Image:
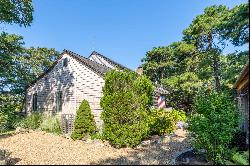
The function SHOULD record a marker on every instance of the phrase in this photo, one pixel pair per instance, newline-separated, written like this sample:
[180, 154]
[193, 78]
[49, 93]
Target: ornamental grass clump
[84, 123]
[51, 124]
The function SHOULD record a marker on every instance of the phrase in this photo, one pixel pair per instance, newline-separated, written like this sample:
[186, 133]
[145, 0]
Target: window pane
[59, 101]
[34, 102]
[65, 62]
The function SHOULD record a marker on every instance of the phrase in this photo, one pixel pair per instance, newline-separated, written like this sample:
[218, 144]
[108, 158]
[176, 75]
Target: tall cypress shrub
[125, 102]
[84, 122]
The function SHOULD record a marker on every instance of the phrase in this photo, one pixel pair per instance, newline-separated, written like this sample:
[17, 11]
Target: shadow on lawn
[154, 154]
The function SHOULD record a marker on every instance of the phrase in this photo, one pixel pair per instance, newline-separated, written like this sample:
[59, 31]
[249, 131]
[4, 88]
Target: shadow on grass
[153, 154]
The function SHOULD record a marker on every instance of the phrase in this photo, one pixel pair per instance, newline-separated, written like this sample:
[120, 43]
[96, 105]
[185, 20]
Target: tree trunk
[215, 60]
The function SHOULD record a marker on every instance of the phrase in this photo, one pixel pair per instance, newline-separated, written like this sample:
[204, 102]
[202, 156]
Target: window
[59, 101]
[65, 62]
[34, 102]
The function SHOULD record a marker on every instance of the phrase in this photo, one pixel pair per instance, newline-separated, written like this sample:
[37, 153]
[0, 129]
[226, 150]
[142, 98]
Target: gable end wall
[76, 81]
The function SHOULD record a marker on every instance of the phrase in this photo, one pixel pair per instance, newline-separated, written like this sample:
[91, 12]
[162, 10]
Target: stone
[145, 143]
[181, 133]
[20, 130]
[106, 143]
[3, 162]
[165, 140]
[67, 136]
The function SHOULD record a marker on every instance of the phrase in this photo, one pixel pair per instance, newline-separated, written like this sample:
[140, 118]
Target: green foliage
[125, 102]
[214, 124]
[235, 25]
[51, 124]
[178, 115]
[160, 122]
[19, 66]
[232, 65]
[163, 122]
[84, 122]
[183, 88]
[16, 11]
[163, 62]
[241, 159]
[97, 136]
[178, 68]
[238, 158]
[203, 32]
[32, 121]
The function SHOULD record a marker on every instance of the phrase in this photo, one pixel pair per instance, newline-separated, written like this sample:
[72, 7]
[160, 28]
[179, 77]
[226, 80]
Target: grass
[7, 133]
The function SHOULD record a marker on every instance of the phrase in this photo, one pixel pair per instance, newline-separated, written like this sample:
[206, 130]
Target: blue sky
[123, 30]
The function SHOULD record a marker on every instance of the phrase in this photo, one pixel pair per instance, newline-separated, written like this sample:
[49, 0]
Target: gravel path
[43, 148]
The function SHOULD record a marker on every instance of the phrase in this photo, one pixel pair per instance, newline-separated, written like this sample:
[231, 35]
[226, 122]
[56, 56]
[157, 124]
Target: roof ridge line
[71, 52]
[109, 60]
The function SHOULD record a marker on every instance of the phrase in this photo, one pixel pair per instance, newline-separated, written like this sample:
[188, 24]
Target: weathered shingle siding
[76, 81]
[59, 78]
[88, 86]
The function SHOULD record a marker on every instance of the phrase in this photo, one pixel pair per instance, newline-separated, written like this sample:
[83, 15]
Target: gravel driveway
[43, 148]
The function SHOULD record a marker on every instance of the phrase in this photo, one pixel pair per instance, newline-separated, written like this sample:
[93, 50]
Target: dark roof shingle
[119, 66]
[94, 66]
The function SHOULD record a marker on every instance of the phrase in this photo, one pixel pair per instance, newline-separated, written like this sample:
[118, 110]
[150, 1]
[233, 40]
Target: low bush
[84, 122]
[97, 136]
[214, 124]
[178, 115]
[32, 121]
[162, 122]
[51, 124]
[3, 122]
[9, 116]
[238, 158]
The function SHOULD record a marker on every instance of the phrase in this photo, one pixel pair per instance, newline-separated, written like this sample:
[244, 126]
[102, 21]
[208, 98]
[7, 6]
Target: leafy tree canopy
[235, 25]
[16, 11]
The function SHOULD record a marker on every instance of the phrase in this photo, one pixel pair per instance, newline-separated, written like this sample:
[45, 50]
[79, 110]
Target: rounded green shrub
[213, 124]
[163, 122]
[178, 115]
[84, 123]
[125, 102]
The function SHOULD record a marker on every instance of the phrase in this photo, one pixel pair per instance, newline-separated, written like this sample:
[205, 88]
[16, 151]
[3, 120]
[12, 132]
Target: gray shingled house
[71, 79]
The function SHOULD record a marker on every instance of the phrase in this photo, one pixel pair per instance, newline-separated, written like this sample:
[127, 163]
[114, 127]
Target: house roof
[98, 68]
[117, 65]
[244, 73]
[94, 66]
